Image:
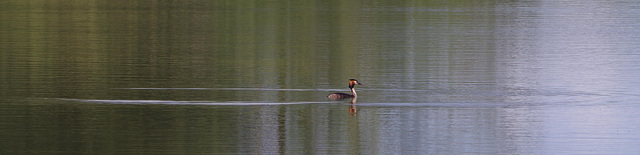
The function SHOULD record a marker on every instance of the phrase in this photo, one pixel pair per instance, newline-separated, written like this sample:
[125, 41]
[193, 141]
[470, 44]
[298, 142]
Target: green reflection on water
[85, 49]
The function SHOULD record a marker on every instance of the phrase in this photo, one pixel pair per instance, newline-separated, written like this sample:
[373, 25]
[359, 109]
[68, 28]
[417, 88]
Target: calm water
[205, 77]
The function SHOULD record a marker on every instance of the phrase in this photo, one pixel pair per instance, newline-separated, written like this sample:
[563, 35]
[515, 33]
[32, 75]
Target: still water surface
[202, 77]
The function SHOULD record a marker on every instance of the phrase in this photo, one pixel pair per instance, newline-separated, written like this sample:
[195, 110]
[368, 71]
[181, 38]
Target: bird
[352, 83]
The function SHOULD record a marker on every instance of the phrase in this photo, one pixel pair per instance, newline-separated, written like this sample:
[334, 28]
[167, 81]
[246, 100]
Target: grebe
[352, 83]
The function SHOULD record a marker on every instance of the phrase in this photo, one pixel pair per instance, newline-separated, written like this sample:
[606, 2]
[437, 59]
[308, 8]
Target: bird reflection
[352, 108]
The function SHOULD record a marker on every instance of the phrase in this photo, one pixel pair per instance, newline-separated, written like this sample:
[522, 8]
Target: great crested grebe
[352, 83]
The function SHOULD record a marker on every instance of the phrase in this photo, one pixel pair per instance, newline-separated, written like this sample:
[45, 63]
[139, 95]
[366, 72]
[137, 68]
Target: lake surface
[208, 77]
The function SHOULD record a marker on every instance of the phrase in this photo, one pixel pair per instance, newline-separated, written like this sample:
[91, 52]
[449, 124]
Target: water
[201, 77]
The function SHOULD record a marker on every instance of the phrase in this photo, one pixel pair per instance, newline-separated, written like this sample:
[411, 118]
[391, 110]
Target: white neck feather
[353, 92]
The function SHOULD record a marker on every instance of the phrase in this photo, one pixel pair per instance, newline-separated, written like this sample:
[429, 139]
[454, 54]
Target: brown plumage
[352, 83]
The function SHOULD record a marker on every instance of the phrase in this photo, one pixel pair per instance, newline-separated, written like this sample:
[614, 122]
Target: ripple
[280, 89]
[171, 102]
[245, 89]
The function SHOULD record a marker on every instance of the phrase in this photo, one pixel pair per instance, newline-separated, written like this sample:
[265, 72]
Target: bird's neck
[353, 92]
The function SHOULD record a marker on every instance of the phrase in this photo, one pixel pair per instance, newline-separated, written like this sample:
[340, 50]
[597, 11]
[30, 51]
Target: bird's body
[352, 83]
[340, 96]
